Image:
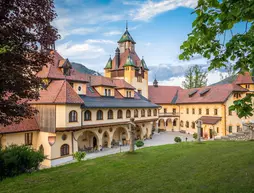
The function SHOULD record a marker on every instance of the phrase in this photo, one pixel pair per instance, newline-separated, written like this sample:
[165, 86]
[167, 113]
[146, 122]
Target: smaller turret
[109, 64]
[155, 83]
[117, 58]
[143, 64]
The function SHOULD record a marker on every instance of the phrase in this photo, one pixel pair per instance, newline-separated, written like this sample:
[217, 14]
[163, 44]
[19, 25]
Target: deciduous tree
[214, 36]
[25, 29]
[195, 77]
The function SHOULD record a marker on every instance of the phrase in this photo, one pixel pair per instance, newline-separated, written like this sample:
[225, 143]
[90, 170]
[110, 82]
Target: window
[247, 86]
[87, 115]
[28, 138]
[73, 116]
[155, 112]
[187, 111]
[229, 112]
[119, 114]
[174, 122]
[140, 91]
[143, 113]
[110, 114]
[230, 129]
[215, 111]
[139, 78]
[149, 112]
[130, 94]
[207, 111]
[79, 88]
[238, 128]
[193, 125]
[237, 95]
[165, 110]
[99, 115]
[65, 150]
[128, 114]
[181, 123]
[106, 92]
[136, 113]
[193, 111]
[200, 111]
[174, 111]
[218, 130]
[187, 124]
[41, 149]
[109, 92]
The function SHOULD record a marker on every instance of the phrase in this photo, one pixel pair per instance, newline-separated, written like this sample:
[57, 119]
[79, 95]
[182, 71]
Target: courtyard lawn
[187, 167]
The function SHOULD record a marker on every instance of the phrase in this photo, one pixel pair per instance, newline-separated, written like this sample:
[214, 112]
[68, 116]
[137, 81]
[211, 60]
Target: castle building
[181, 108]
[127, 65]
[82, 112]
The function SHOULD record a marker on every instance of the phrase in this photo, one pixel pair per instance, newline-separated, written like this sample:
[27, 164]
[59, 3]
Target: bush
[177, 139]
[79, 155]
[195, 135]
[15, 160]
[139, 143]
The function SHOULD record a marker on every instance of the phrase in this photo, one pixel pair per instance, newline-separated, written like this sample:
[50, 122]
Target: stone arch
[138, 133]
[161, 124]
[120, 135]
[169, 124]
[87, 140]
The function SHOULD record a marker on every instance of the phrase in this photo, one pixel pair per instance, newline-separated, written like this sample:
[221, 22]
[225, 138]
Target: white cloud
[92, 41]
[112, 33]
[80, 51]
[147, 44]
[150, 8]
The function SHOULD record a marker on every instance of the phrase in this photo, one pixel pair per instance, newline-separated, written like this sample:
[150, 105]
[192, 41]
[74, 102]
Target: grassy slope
[189, 167]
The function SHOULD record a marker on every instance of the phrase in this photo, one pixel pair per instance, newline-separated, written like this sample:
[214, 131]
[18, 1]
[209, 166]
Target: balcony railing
[162, 114]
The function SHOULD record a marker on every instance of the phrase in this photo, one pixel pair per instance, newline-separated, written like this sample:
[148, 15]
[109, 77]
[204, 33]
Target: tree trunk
[131, 131]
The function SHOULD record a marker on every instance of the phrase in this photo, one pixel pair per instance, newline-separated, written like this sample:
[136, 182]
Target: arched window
[143, 113]
[65, 149]
[181, 123]
[110, 114]
[136, 113]
[149, 112]
[99, 115]
[155, 112]
[41, 149]
[187, 124]
[119, 114]
[73, 116]
[174, 122]
[128, 114]
[193, 125]
[87, 115]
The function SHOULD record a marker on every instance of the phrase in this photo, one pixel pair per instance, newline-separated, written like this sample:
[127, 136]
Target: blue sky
[90, 30]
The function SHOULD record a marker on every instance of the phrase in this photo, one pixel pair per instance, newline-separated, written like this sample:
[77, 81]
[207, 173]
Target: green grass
[187, 167]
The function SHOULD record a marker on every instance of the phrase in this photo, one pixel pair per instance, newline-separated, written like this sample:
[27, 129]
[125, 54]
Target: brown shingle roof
[24, 126]
[58, 92]
[244, 79]
[53, 71]
[120, 83]
[101, 81]
[210, 120]
[216, 94]
[123, 58]
[162, 94]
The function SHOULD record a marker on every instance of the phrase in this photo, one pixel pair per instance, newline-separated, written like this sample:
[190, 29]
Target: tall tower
[127, 65]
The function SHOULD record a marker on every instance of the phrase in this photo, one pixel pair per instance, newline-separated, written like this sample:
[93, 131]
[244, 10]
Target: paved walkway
[158, 139]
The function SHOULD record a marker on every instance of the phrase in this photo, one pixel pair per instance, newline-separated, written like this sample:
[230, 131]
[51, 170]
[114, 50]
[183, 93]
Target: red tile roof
[162, 94]
[216, 94]
[58, 92]
[210, 120]
[24, 126]
[244, 79]
[53, 71]
[123, 58]
[120, 83]
[101, 81]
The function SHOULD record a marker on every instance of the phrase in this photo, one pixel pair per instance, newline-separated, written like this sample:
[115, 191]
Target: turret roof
[129, 62]
[109, 64]
[126, 37]
[143, 63]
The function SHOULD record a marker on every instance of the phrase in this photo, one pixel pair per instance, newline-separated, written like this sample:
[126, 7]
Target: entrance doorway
[210, 133]
[94, 142]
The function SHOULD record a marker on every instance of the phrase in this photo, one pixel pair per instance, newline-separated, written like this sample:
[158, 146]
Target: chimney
[117, 58]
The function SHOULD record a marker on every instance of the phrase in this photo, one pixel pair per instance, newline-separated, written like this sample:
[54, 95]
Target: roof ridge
[59, 91]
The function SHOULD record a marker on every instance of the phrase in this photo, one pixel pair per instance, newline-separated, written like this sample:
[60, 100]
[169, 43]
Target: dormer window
[109, 92]
[66, 71]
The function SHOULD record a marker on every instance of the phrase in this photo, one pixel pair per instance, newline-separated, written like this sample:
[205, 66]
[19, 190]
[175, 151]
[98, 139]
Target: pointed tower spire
[126, 25]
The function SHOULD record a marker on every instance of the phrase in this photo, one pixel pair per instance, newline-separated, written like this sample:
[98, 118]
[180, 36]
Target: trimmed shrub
[178, 139]
[139, 143]
[15, 160]
[79, 155]
[195, 136]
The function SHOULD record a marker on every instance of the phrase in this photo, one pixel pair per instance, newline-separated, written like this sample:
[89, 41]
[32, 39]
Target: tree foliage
[195, 77]
[25, 29]
[214, 36]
